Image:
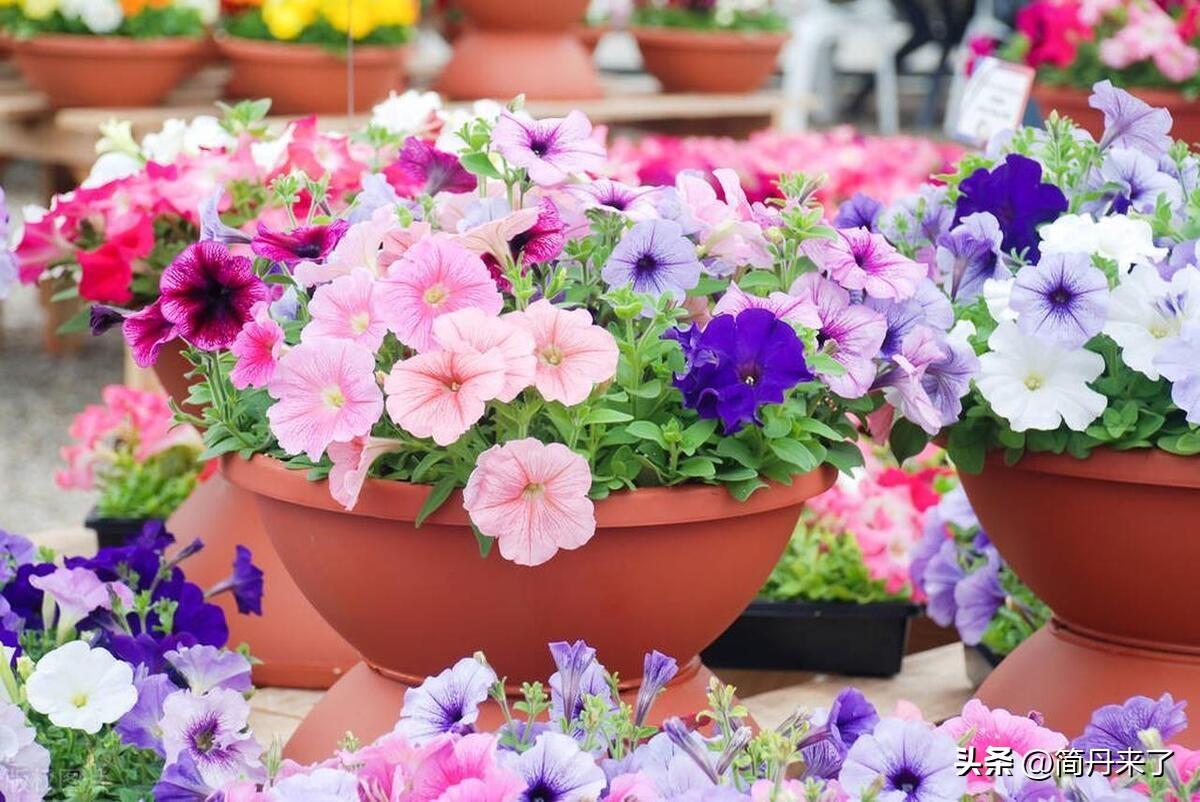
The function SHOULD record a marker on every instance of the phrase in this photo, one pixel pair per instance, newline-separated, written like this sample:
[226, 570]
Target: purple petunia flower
[146, 332]
[860, 211]
[672, 769]
[447, 703]
[947, 379]
[941, 576]
[909, 761]
[657, 671]
[544, 240]
[977, 598]
[212, 228]
[555, 769]
[969, 255]
[1130, 122]
[636, 203]
[1062, 299]
[850, 717]
[207, 293]
[1131, 180]
[738, 364]
[549, 150]
[245, 583]
[904, 384]
[578, 675]
[850, 333]
[181, 782]
[655, 259]
[1183, 254]
[433, 170]
[860, 260]
[212, 731]
[1179, 363]
[1014, 194]
[1115, 728]
[928, 307]
[205, 667]
[300, 244]
[101, 318]
[140, 727]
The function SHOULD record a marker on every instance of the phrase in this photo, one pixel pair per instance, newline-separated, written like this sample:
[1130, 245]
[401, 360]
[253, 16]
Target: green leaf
[605, 415]
[738, 451]
[650, 389]
[759, 281]
[436, 498]
[78, 322]
[742, 490]
[224, 445]
[65, 294]
[697, 434]
[907, 439]
[485, 542]
[480, 163]
[794, 453]
[819, 428]
[645, 430]
[698, 468]
[736, 475]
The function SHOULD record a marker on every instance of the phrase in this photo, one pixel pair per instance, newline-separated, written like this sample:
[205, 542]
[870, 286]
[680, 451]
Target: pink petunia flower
[988, 728]
[573, 354]
[472, 331]
[146, 332]
[550, 150]
[358, 247]
[435, 277]
[257, 348]
[352, 460]
[635, 787]
[443, 394]
[795, 310]
[494, 237]
[860, 260]
[326, 392]
[532, 497]
[463, 769]
[348, 308]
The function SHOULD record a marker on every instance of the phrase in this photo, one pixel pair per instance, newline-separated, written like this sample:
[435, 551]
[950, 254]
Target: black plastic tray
[979, 661]
[836, 637]
[114, 531]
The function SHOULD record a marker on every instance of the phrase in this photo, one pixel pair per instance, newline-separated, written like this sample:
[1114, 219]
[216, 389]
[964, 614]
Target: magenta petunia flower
[348, 308]
[443, 394]
[352, 460]
[573, 354]
[300, 244]
[208, 293]
[146, 332]
[550, 150]
[544, 240]
[431, 170]
[257, 348]
[860, 260]
[795, 310]
[533, 498]
[326, 392]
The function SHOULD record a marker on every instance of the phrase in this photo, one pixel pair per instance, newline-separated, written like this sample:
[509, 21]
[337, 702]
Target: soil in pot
[709, 62]
[1071, 102]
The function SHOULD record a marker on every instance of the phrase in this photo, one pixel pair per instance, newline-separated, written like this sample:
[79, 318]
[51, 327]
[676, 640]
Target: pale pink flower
[352, 460]
[397, 241]
[385, 766]
[793, 309]
[729, 237]
[360, 247]
[493, 238]
[999, 728]
[473, 331]
[347, 308]
[435, 277]
[442, 394]
[636, 787]
[463, 769]
[573, 354]
[907, 711]
[257, 348]
[550, 150]
[80, 473]
[326, 392]
[532, 497]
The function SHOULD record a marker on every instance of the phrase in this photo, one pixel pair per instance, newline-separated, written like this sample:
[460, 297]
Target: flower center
[308, 250]
[333, 397]
[541, 792]
[534, 490]
[454, 385]
[539, 145]
[360, 322]
[80, 700]
[551, 355]
[1061, 296]
[205, 736]
[436, 295]
[905, 780]
[1033, 382]
[645, 264]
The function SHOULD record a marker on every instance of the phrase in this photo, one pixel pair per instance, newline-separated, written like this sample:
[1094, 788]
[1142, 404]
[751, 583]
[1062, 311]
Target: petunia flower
[578, 675]
[245, 583]
[1122, 239]
[794, 309]
[492, 240]
[1129, 121]
[859, 211]
[1179, 363]
[323, 784]
[655, 259]
[140, 726]
[573, 354]
[977, 598]
[209, 294]
[81, 688]
[447, 703]
[1146, 312]
[257, 348]
[146, 332]
[205, 667]
[472, 331]
[969, 255]
[903, 384]
[905, 761]
[212, 730]
[940, 576]
[1035, 385]
[352, 461]
[442, 394]
[1063, 299]
[1131, 180]
[430, 170]
[300, 244]
[657, 671]
[558, 769]
[465, 769]
[348, 308]
[359, 247]
[76, 593]
[985, 729]
[860, 260]
[635, 203]
[1014, 193]
[326, 392]
[850, 333]
[729, 234]
[1116, 728]
[549, 150]
[544, 240]
[532, 497]
[433, 278]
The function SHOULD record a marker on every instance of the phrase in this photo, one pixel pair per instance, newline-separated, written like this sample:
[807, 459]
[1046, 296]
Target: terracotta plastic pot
[308, 79]
[709, 62]
[1109, 543]
[106, 70]
[1071, 102]
[415, 600]
[523, 15]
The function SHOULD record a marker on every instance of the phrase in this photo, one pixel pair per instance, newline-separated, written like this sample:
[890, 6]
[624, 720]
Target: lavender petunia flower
[657, 671]
[636, 203]
[917, 220]
[206, 667]
[928, 307]
[1183, 254]
[142, 725]
[1130, 122]
[909, 761]
[16, 550]
[1062, 299]
[969, 255]
[655, 259]
[977, 598]
[797, 311]
[941, 576]
[860, 260]
[555, 769]
[1015, 195]
[181, 782]
[849, 717]
[1179, 363]
[674, 773]
[904, 385]
[549, 150]
[9, 269]
[578, 675]
[933, 535]
[690, 745]
[212, 731]
[245, 583]
[860, 211]
[433, 170]
[1115, 728]
[948, 379]
[212, 228]
[208, 294]
[377, 193]
[446, 703]
[850, 333]
[1131, 180]
[300, 244]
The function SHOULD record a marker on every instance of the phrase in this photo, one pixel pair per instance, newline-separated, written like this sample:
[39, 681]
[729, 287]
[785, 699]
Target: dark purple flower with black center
[300, 244]
[1115, 728]
[860, 211]
[1063, 299]
[1129, 180]
[1013, 193]
[146, 332]
[969, 255]
[245, 583]
[101, 318]
[544, 240]
[140, 726]
[977, 598]
[208, 294]
[738, 364]
[657, 671]
[447, 703]
[1130, 122]
[654, 258]
[433, 170]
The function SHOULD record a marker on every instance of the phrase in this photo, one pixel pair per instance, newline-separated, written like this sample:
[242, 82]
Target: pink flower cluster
[1149, 34]
[882, 167]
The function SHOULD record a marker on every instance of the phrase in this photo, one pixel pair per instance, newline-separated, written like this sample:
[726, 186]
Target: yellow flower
[39, 9]
[287, 19]
[358, 21]
[397, 12]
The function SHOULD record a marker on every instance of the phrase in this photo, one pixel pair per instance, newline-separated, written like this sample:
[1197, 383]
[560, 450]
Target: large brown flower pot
[1071, 102]
[308, 79]
[1111, 544]
[111, 71]
[709, 62]
[668, 569]
[512, 47]
[298, 649]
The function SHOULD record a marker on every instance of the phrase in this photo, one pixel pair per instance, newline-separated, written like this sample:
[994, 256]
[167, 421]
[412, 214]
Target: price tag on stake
[993, 100]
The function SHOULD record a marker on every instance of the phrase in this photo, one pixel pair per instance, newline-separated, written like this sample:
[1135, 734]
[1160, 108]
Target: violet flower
[1179, 363]
[860, 211]
[1013, 193]
[555, 769]
[578, 675]
[549, 150]
[909, 761]
[208, 294]
[181, 782]
[245, 583]
[657, 671]
[941, 576]
[850, 333]
[101, 318]
[690, 745]
[1062, 299]
[849, 717]
[447, 703]
[977, 598]
[969, 255]
[947, 380]
[655, 259]
[1115, 728]
[205, 667]
[904, 383]
[1131, 180]
[377, 193]
[140, 727]
[434, 170]
[860, 260]
[212, 228]
[300, 244]
[212, 731]
[1130, 122]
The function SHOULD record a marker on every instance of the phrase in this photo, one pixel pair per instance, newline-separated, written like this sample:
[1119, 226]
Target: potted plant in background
[710, 46]
[1148, 48]
[130, 452]
[1073, 271]
[300, 53]
[107, 52]
[840, 599]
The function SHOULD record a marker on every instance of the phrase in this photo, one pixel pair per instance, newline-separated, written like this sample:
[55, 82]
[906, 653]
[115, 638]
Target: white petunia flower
[997, 293]
[205, 133]
[110, 167]
[1035, 385]
[406, 113]
[322, 785]
[98, 16]
[165, 145]
[1146, 311]
[455, 119]
[1122, 239]
[24, 764]
[81, 688]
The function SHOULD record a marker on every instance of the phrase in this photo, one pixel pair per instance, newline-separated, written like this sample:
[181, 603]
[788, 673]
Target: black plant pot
[979, 661]
[838, 637]
[114, 531]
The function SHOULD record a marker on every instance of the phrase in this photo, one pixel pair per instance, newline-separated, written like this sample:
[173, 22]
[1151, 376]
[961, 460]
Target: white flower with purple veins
[635, 203]
[654, 258]
[906, 761]
[211, 729]
[1132, 180]
[552, 150]
[446, 703]
[81, 688]
[1063, 299]
[322, 785]
[76, 593]
[1179, 363]
[1035, 385]
[555, 769]
[1147, 312]
[24, 764]
[1118, 238]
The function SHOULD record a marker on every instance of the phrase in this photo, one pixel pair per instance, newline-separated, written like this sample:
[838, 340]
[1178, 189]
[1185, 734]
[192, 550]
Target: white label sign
[993, 100]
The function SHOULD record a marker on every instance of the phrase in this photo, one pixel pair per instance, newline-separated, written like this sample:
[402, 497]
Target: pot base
[367, 703]
[1065, 676]
[473, 73]
[297, 648]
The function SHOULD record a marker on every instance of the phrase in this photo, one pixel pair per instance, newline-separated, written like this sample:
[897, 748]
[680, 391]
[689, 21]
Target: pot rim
[1143, 466]
[709, 40]
[294, 52]
[800, 608]
[1150, 94]
[645, 507]
[67, 44]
